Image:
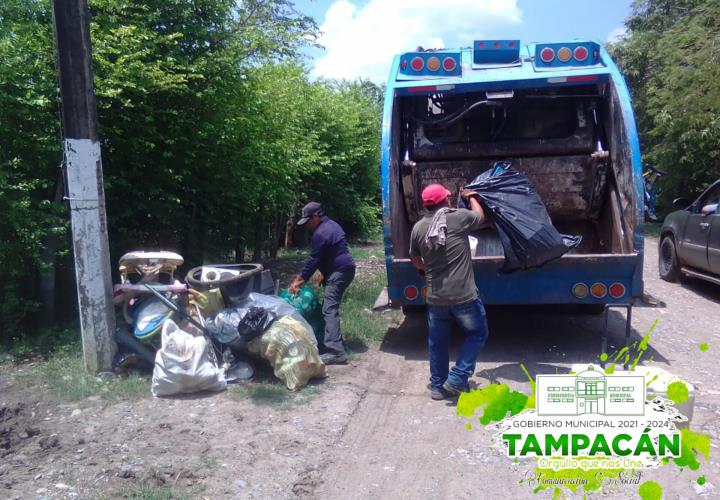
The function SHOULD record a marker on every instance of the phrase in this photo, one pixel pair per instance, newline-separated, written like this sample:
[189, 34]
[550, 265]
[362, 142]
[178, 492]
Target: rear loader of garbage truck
[561, 114]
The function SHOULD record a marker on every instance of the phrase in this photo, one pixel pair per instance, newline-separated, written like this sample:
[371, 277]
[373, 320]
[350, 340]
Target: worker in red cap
[440, 249]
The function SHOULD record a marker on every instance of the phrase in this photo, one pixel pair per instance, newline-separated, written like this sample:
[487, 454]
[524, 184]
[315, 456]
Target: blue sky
[361, 36]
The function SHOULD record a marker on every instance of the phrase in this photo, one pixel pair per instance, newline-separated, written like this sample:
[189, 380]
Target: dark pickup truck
[690, 239]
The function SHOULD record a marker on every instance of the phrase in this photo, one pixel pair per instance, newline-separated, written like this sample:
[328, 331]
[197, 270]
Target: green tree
[29, 156]
[212, 137]
[671, 58]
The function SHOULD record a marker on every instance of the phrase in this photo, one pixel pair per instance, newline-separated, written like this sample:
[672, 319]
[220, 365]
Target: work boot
[330, 358]
[438, 394]
[452, 390]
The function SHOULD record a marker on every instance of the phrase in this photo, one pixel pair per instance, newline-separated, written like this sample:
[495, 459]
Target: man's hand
[466, 194]
[294, 287]
[320, 278]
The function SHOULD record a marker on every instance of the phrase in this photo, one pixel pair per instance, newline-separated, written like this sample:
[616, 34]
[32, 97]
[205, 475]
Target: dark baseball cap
[309, 210]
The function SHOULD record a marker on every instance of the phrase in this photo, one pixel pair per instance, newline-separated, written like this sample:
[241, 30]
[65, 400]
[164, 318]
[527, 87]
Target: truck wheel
[668, 264]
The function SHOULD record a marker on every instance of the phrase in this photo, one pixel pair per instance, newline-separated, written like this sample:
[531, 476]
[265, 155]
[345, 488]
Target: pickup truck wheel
[668, 264]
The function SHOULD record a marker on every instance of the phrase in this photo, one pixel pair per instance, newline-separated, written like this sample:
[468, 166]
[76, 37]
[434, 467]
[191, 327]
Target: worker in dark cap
[330, 256]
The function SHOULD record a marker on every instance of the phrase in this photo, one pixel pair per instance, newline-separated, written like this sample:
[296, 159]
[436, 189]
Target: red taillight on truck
[449, 64]
[547, 55]
[581, 53]
[411, 292]
[617, 290]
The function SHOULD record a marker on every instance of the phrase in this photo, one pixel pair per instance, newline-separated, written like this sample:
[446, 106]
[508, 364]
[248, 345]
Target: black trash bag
[223, 329]
[255, 322]
[513, 206]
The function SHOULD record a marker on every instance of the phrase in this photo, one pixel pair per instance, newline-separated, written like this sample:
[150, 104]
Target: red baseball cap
[434, 194]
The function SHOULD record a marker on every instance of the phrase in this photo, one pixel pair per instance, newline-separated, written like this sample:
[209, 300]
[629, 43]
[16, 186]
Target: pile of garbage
[211, 330]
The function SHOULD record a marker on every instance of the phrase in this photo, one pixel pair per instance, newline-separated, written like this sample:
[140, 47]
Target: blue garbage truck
[561, 114]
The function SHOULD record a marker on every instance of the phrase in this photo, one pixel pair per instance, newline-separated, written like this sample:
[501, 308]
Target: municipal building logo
[590, 392]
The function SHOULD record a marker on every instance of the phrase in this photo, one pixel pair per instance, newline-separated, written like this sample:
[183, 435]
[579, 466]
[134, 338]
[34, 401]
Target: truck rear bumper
[572, 279]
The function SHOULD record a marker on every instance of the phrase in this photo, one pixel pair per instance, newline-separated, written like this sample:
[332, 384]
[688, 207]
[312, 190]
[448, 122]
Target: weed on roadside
[361, 326]
[145, 491]
[44, 343]
[64, 378]
[363, 251]
[275, 395]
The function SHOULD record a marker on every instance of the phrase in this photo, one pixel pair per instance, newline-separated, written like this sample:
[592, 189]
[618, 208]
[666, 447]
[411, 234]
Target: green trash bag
[307, 304]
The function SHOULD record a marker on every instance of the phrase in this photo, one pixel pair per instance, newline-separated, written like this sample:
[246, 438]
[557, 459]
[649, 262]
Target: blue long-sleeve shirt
[329, 252]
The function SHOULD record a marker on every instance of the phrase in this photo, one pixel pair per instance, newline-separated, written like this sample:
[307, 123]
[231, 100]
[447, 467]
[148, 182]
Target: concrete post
[84, 181]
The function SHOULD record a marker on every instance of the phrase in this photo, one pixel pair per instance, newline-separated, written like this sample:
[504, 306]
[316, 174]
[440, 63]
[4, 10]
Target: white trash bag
[185, 363]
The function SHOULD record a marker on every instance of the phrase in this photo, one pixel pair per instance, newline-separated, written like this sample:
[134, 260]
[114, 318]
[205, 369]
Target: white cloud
[616, 35]
[361, 42]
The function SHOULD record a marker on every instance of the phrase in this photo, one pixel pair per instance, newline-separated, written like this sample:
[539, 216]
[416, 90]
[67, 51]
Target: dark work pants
[335, 286]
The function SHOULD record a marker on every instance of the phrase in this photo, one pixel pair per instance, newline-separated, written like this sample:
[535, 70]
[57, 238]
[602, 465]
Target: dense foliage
[212, 136]
[670, 57]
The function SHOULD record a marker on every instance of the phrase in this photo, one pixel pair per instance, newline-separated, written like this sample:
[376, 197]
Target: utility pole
[84, 181]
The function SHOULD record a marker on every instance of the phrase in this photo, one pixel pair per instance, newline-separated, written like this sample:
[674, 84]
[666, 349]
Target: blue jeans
[471, 318]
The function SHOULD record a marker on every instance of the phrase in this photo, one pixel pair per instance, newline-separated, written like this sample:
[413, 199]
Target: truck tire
[668, 264]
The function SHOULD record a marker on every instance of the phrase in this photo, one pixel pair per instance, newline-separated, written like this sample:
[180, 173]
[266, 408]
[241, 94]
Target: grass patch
[146, 491]
[45, 343]
[293, 254]
[360, 325]
[652, 228]
[275, 395]
[359, 250]
[364, 251]
[64, 378]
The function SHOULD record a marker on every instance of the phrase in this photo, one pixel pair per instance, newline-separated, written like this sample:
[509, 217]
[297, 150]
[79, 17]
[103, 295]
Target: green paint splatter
[530, 379]
[652, 380]
[634, 351]
[468, 426]
[677, 392]
[704, 346]
[650, 490]
[643, 345]
[621, 352]
[692, 444]
[496, 400]
[701, 480]
[610, 369]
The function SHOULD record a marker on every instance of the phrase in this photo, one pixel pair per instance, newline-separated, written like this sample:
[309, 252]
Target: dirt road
[369, 431]
[403, 445]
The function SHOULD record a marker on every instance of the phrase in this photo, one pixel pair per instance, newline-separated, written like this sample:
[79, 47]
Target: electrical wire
[448, 120]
